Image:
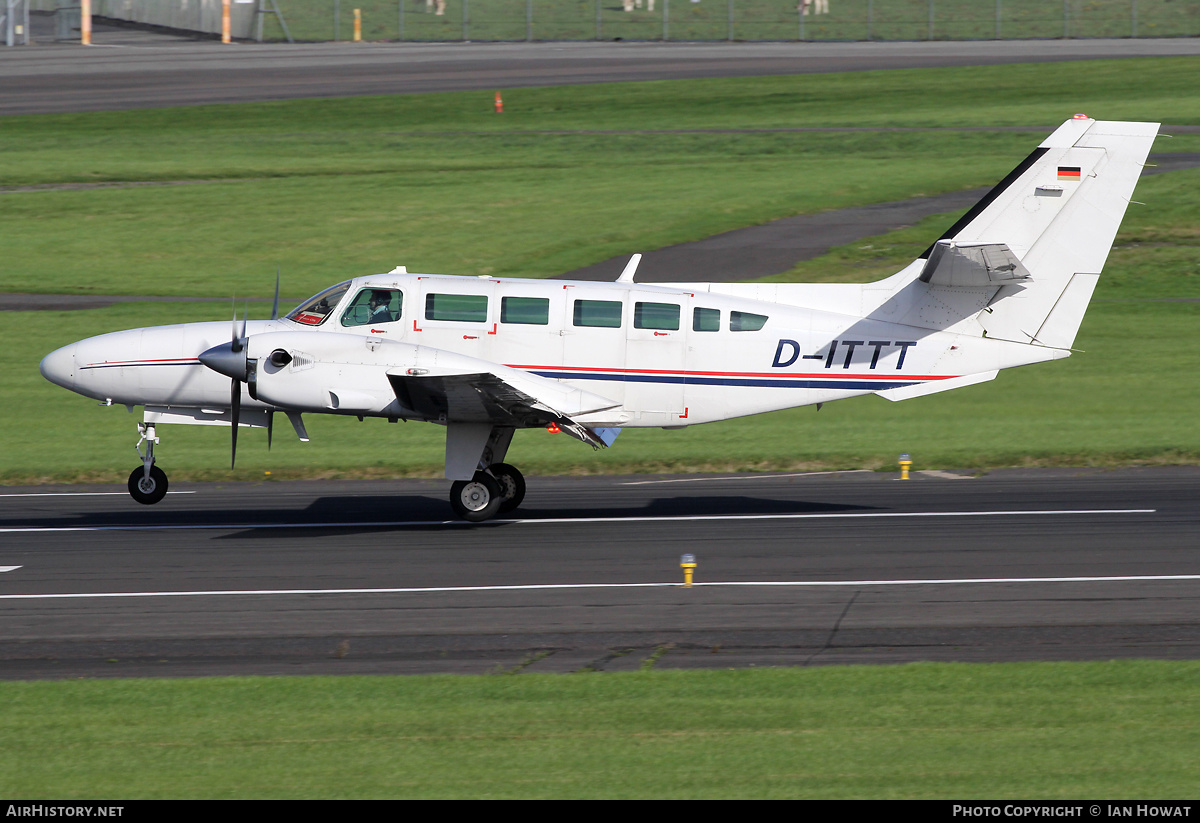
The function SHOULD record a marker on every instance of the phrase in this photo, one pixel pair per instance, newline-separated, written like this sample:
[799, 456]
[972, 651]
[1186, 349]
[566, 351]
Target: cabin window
[531, 311]
[745, 321]
[603, 313]
[373, 306]
[460, 308]
[706, 319]
[663, 316]
[317, 309]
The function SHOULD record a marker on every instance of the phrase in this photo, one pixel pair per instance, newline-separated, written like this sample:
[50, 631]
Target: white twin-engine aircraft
[1006, 286]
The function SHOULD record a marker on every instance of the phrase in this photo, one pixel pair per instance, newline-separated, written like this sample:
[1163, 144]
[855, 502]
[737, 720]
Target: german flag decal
[1068, 173]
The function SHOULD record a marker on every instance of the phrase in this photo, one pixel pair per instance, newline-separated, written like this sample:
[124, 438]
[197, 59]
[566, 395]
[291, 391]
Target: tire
[148, 490]
[512, 485]
[477, 499]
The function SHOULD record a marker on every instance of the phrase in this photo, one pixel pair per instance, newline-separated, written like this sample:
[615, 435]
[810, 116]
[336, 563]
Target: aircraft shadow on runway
[341, 515]
[365, 515]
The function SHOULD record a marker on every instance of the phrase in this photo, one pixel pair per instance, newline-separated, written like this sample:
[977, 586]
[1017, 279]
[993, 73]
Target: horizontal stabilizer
[972, 265]
[935, 386]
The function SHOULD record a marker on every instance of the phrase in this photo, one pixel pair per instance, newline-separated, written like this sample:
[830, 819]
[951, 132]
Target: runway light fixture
[905, 465]
[688, 564]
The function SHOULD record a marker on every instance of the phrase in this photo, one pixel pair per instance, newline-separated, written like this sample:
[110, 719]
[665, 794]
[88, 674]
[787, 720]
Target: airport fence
[665, 20]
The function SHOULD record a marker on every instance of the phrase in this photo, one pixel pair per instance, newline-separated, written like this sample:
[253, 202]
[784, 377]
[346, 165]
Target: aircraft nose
[59, 366]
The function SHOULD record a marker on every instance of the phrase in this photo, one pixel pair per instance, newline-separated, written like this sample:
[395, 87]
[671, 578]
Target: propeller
[232, 360]
[237, 345]
[274, 316]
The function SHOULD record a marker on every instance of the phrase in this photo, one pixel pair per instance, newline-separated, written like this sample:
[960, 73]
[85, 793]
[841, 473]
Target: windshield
[314, 312]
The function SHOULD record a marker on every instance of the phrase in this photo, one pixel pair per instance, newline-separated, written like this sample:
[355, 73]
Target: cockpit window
[314, 312]
[374, 306]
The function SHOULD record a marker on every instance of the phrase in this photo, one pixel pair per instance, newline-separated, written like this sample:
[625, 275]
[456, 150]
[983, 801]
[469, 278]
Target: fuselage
[664, 355]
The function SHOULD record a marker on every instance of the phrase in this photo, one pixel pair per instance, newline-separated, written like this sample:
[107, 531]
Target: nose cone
[59, 366]
[224, 360]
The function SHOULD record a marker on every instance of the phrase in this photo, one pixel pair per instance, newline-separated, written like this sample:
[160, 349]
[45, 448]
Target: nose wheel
[148, 488]
[147, 483]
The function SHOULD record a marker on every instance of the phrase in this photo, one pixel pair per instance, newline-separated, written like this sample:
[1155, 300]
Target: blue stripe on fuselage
[696, 380]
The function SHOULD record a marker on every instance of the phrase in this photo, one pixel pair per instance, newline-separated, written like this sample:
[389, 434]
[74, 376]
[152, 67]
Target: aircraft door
[655, 355]
[593, 335]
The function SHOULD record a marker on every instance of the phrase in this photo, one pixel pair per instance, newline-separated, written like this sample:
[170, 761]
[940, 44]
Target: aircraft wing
[500, 396]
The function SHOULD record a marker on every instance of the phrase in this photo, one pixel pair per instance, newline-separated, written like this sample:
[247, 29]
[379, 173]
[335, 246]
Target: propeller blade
[236, 339]
[270, 427]
[275, 305]
[235, 407]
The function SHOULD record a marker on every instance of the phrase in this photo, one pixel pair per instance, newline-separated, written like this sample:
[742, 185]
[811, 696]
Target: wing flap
[510, 398]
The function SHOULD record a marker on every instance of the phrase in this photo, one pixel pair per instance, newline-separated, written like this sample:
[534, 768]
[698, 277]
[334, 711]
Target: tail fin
[1039, 239]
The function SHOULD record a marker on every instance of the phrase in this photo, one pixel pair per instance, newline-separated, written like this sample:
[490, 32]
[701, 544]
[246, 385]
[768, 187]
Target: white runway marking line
[565, 586]
[77, 494]
[683, 518]
[8, 569]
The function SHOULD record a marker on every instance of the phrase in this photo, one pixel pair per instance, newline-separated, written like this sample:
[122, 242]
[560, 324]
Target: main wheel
[150, 489]
[477, 499]
[512, 485]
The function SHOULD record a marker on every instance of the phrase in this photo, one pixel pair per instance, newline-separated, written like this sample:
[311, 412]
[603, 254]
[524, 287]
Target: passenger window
[462, 308]
[745, 321]
[373, 306]
[531, 311]
[603, 313]
[663, 316]
[706, 319]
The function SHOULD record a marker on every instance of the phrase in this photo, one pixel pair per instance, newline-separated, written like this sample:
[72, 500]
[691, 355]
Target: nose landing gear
[147, 483]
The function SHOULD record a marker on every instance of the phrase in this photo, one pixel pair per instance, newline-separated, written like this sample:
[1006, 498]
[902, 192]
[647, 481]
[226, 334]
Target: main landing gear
[498, 489]
[147, 483]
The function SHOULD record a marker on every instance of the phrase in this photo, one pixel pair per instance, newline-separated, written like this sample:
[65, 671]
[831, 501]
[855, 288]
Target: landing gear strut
[147, 483]
[495, 486]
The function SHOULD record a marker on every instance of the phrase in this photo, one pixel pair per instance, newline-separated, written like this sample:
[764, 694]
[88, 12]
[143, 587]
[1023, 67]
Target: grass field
[208, 201]
[736, 20]
[1051, 731]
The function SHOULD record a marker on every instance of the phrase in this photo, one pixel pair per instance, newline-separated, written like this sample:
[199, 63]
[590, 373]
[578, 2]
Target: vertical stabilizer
[1058, 213]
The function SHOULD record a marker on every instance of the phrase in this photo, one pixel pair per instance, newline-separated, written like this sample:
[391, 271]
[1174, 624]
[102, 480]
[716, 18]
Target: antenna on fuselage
[630, 269]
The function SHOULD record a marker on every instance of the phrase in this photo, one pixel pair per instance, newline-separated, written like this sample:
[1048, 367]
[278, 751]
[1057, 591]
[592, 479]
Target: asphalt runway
[131, 69]
[813, 569]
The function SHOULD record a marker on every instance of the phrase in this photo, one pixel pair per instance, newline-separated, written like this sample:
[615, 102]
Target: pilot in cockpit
[380, 313]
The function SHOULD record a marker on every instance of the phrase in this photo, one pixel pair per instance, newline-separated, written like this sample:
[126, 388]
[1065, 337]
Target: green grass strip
[1054, 731]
